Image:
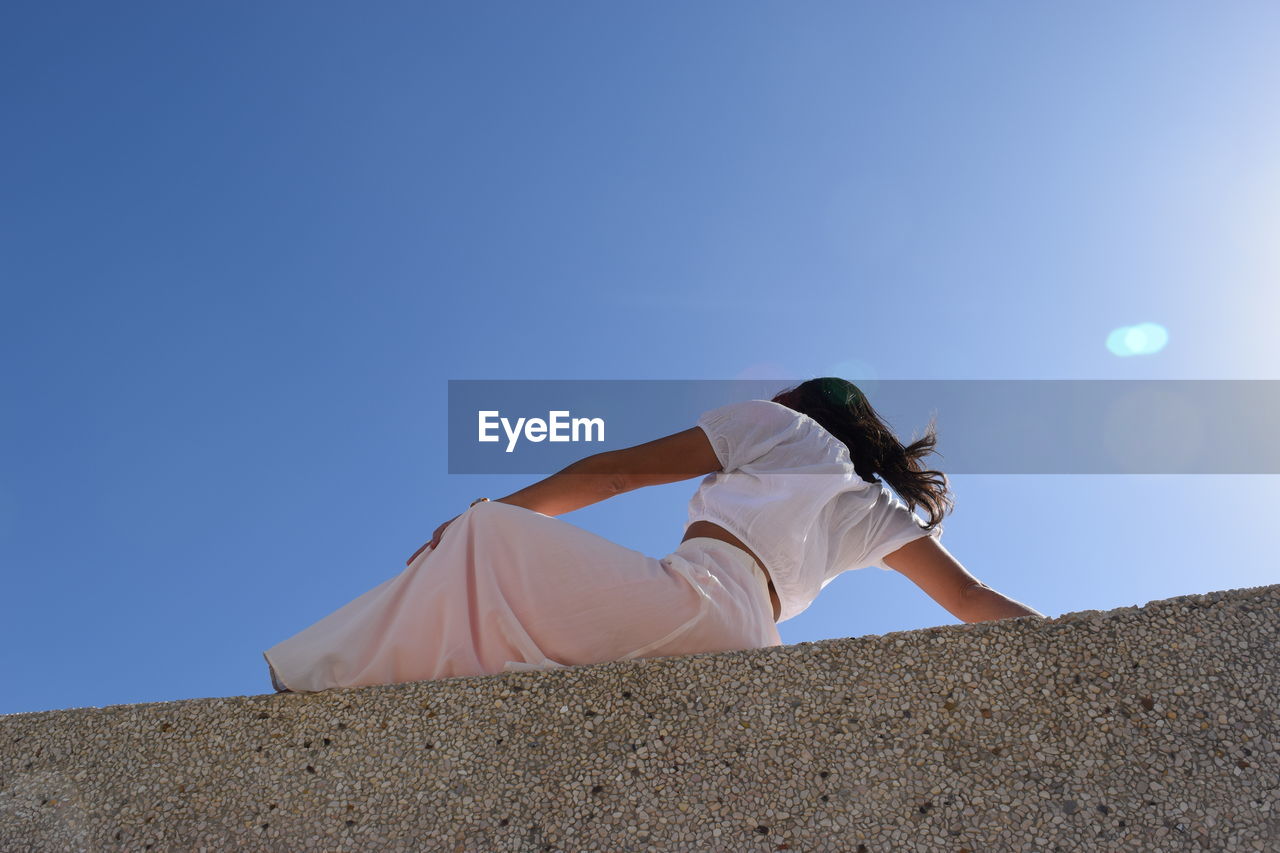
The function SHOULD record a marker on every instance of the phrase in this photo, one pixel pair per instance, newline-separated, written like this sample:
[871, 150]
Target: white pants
[508, 588]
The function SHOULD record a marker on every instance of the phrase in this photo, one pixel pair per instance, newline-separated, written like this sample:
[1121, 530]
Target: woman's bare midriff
[714, 531]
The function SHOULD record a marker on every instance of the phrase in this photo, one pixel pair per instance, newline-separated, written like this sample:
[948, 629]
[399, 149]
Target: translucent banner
[1041, 426]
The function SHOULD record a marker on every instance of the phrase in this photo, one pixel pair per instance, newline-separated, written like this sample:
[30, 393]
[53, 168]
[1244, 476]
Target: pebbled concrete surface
[1150, 728]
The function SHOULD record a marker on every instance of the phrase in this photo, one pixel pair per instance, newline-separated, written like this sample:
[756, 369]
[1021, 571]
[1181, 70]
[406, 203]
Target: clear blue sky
[245, 246]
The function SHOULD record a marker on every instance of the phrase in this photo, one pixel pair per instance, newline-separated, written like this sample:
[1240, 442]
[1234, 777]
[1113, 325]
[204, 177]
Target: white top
[789, 491]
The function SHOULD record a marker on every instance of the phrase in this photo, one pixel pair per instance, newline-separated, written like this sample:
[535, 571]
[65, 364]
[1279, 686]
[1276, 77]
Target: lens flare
[1140, 339]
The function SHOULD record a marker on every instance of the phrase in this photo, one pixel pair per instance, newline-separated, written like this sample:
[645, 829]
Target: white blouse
[789, 491]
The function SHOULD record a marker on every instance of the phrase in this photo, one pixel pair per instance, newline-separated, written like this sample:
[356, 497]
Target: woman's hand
[435, 540]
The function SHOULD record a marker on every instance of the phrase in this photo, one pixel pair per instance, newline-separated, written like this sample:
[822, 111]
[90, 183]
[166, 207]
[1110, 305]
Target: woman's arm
[590, 480]
[932, 568]
[585, 482]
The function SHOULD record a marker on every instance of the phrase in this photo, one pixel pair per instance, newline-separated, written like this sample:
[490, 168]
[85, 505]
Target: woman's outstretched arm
[932, 568]
[670, 459]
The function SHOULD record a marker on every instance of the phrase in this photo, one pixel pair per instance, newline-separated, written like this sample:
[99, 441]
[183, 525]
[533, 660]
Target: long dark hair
[842, 410]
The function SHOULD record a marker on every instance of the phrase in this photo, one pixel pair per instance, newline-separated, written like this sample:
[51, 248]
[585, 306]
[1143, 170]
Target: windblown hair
[842, 410]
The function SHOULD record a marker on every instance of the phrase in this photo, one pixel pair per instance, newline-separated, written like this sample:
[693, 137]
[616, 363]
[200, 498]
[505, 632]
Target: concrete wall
[1149, 728]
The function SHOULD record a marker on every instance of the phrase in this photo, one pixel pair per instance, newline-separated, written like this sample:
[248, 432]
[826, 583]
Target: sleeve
[742, 432]
[880, 528]
[896, 527]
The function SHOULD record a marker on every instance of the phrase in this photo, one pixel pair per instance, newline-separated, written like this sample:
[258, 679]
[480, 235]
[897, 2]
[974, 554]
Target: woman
[796, 490]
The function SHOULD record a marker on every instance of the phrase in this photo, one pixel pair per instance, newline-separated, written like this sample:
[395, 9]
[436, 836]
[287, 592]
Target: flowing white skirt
[508, 588]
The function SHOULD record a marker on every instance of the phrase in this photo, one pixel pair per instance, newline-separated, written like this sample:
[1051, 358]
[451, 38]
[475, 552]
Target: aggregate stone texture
[1147, 729]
